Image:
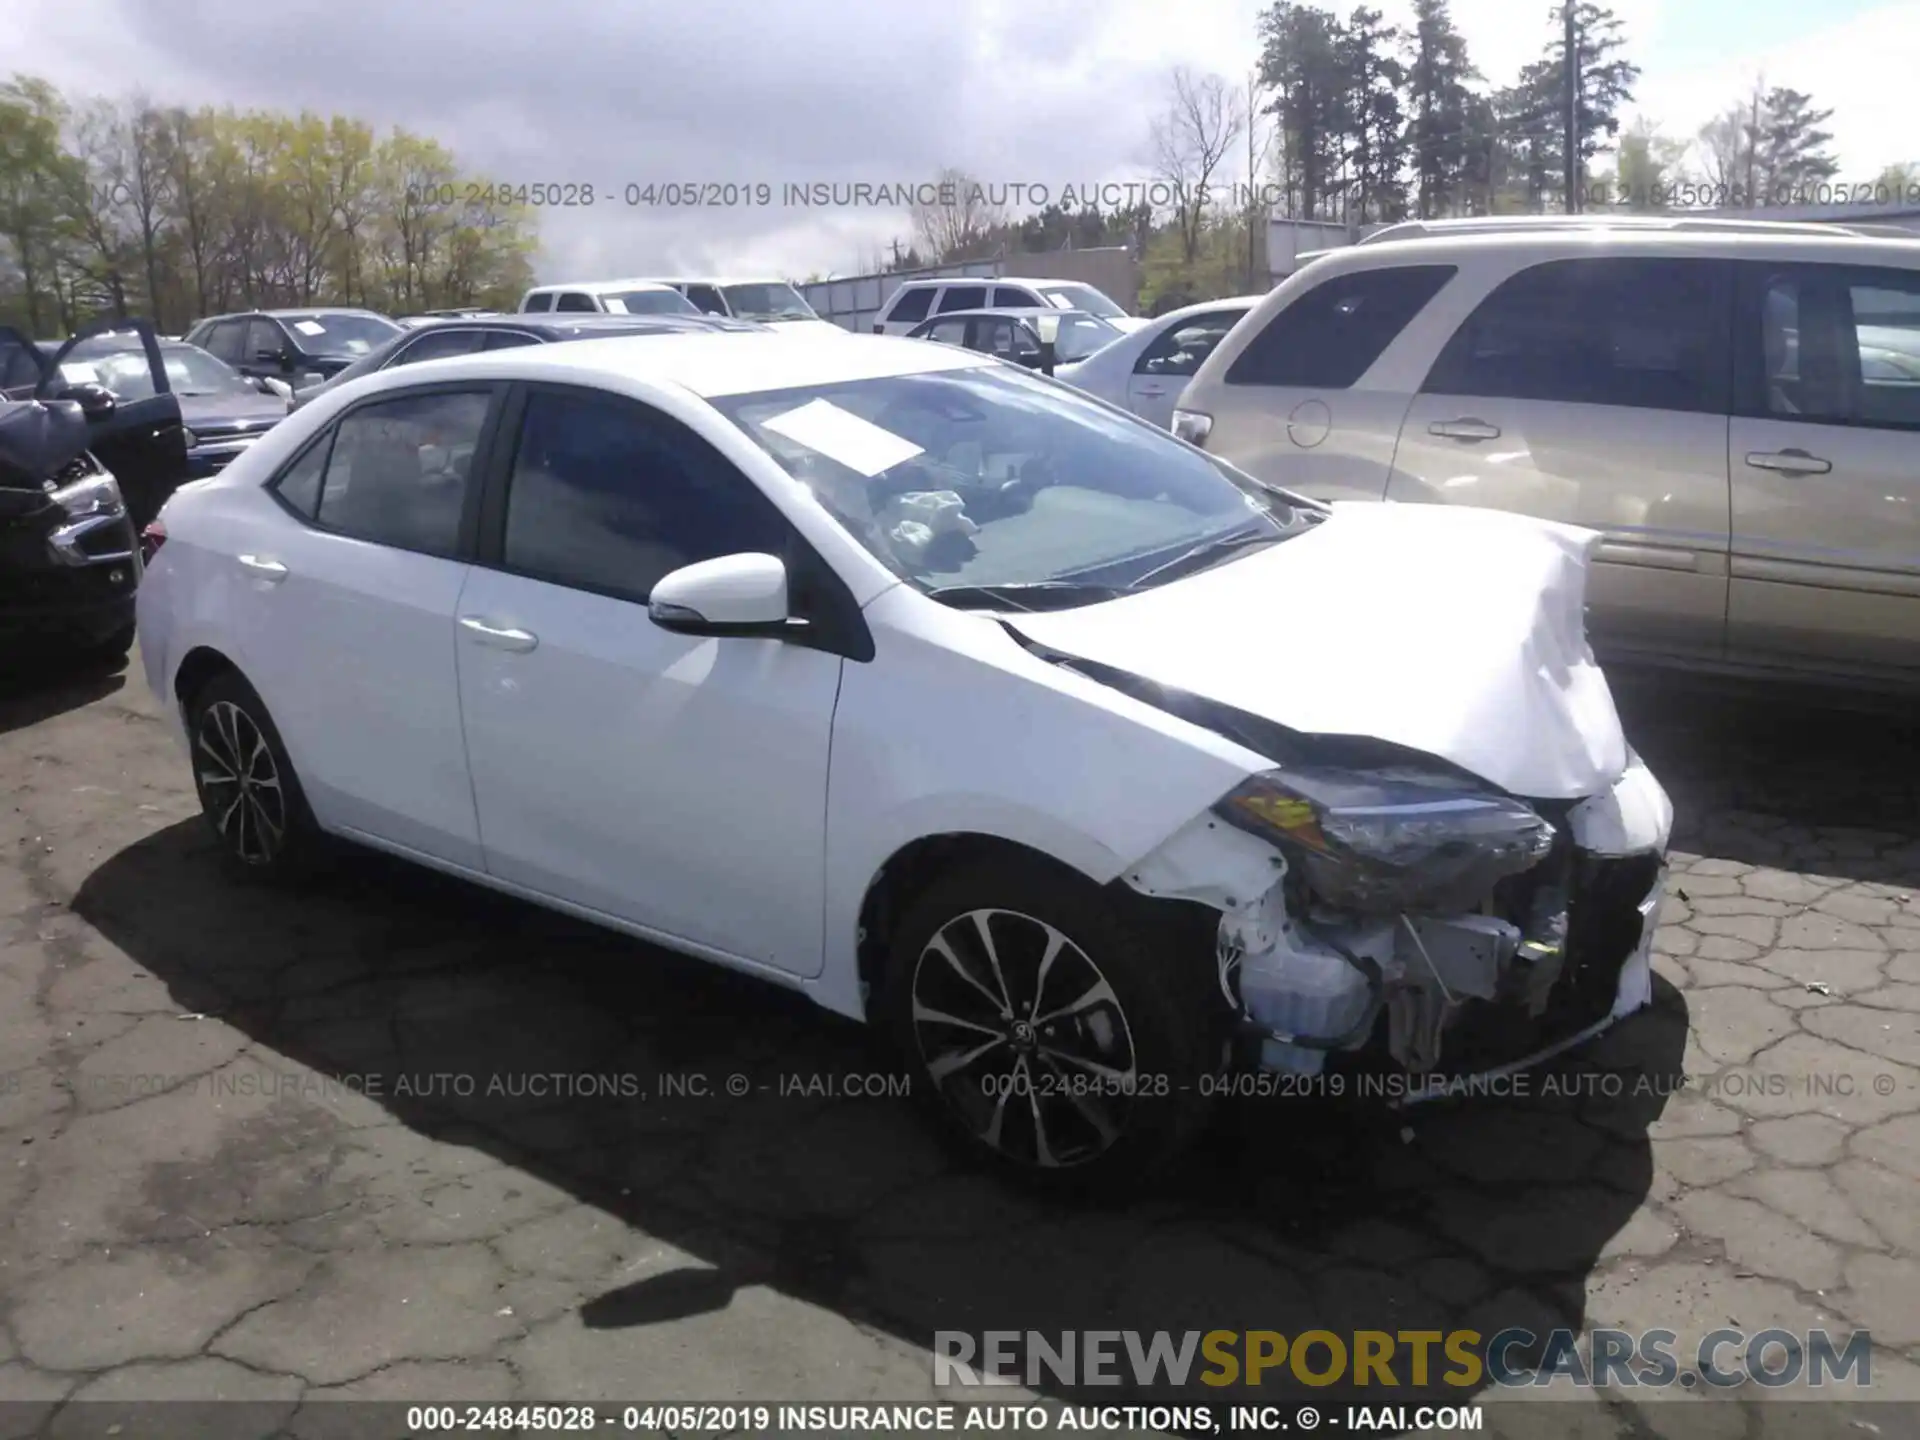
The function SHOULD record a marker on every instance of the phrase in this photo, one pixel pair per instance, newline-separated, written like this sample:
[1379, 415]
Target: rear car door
[675, 782]
[141, 439]
[344, 607]
[1824, 451]
[1596, 392]
[1166, 365]
[1294, 407]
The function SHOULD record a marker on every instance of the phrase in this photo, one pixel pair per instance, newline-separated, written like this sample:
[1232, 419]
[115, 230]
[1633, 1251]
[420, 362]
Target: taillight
[151, 539]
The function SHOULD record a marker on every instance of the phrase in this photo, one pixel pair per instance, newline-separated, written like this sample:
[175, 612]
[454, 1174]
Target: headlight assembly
[96, 495]
[1389, 841]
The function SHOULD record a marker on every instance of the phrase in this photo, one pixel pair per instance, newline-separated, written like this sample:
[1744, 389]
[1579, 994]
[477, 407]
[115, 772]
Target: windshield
[767, 302]
[337, 332]
[648, 302]
[1080, 336]
[190, 370]
[1082, 297]
[990, 477]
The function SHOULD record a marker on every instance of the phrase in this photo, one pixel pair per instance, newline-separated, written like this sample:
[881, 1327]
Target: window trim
[835, 623]
[1236, 371]
[466, 536]
[1749, 333]
[1719, 399]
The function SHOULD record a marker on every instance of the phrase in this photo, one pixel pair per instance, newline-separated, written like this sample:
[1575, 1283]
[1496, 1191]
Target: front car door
[673, 782]
[1165, 366]
[345, 609]
[1824, 452]
[141, 440]
[1595, 392]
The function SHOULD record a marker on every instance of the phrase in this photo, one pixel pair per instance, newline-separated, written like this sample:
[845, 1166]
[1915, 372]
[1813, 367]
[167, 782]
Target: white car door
[1163, 368]
[674, 782]
[346, 616]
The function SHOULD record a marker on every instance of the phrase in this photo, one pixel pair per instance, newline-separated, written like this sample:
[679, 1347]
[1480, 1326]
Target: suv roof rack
[1520, 224]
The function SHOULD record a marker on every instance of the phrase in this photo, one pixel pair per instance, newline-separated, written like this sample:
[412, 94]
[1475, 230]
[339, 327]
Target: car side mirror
[278, 358]
[742, 594]
[96, 401]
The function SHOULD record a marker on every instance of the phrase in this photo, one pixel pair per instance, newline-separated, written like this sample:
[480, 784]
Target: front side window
[770, 301]
[573, 300]
[538, 303]
[1080, 336]
[1329, 337]
[266, 343]
[910, 306]
[706, 299]
[1642, 333]
[1838, 345]
[1183, 346]
[438, 345]
[948, 332]
[225, 341]
[989, 476]
[399, 469]
[608, 496]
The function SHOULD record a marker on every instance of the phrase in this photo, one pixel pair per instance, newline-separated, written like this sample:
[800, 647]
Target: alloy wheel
[240, 783]
[1024, 1038]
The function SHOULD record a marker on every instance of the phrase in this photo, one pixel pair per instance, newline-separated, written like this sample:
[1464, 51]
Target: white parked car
[919, 300]
[765, 300]
[607, 297]
[1145, 369]
[1069, 756]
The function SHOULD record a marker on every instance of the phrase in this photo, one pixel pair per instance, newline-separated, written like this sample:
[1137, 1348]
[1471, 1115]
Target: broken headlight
[1390, 841]
[94, 495]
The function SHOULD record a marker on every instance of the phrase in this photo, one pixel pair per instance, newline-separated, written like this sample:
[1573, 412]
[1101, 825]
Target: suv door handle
[271, 570]
[500, 638]
[1466, 428]
[1790, 462]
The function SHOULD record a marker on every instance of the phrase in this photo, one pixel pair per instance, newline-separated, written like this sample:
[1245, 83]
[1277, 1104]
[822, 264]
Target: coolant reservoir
[1300, 987]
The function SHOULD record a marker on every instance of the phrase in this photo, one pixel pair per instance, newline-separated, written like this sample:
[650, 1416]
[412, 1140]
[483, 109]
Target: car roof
[1574, 241]
[709, 362]
[725, 280]
[595, 287]
[554, 326]
[1032, 282]
[1016, 312]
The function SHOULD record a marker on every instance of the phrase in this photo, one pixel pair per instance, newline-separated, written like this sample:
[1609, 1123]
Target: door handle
[1789, 462]
[497, 636]
[271, 570]
[1466, 428]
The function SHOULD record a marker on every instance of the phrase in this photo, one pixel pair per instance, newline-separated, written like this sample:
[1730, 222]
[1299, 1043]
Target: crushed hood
[1453, 631]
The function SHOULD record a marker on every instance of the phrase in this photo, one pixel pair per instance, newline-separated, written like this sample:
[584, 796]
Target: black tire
[259, 817]
[1146, 1045]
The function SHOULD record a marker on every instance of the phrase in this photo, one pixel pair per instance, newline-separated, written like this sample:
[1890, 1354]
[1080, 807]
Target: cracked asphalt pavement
[396, 1137]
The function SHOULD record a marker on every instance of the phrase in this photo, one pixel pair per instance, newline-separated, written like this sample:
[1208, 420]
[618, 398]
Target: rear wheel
[246, 784]
[1049, 1030]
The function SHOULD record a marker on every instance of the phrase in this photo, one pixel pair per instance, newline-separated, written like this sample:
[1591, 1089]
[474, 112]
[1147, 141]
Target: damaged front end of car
[1379, 903]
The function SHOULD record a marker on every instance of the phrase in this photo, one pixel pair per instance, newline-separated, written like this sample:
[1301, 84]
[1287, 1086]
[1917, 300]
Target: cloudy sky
[1029, 92]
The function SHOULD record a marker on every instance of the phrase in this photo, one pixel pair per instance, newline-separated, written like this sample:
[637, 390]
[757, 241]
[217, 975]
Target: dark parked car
[442, 339]
[1015, 334]
[79, 473]
[224, 411]
[301, 347]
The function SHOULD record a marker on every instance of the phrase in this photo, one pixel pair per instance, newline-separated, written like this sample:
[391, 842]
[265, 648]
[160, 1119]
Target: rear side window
[399, 470]
[574, 300]
[962, 297]
[1329, 337]
[1642, 333]
[911, 304]
[538, 303]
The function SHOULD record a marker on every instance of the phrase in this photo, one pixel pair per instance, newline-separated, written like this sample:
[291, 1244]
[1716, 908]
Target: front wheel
[1053, 1033]
[246, 784]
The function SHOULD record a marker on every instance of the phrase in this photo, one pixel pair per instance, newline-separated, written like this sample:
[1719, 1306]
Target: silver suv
[1736, 409]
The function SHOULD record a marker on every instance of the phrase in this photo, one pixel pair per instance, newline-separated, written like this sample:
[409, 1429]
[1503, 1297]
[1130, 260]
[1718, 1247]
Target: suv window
[707, 299]
[1642, 333]
[264, 338]
[574, 300]
[398, 471]
[1837, 345]
[1183, 346]
[948, 332]
[538, 303]
[1329, 337]
[609, 496]
[962, 297]
[438, 345]
[224, 339]
[911, 304]
[1013, 297]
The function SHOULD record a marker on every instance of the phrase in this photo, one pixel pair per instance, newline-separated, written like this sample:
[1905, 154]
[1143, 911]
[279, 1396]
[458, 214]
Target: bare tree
[1191, 141]
[953, 217]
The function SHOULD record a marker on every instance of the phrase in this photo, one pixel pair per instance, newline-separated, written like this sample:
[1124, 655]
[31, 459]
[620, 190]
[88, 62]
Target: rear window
[911, 304]
[1329, 337]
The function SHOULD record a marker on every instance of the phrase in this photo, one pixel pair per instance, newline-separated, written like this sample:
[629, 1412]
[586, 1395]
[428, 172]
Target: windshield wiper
[1026, 594]
[1211, 549]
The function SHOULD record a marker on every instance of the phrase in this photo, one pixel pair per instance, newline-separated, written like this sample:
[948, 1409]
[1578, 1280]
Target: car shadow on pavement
[46, 690]
[712, 1114]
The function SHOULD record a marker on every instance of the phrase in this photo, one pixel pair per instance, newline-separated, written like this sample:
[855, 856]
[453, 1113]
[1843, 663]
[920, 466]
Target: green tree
[1302, 65]
[1439, 132]
[1375, 142]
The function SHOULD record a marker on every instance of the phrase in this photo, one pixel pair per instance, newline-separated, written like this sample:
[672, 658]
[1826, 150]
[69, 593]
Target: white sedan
[1081, 764]
[1146, 369]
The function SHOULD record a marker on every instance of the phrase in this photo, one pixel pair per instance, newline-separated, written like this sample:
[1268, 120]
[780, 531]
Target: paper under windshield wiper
[1027, 594]
[1218, 545]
